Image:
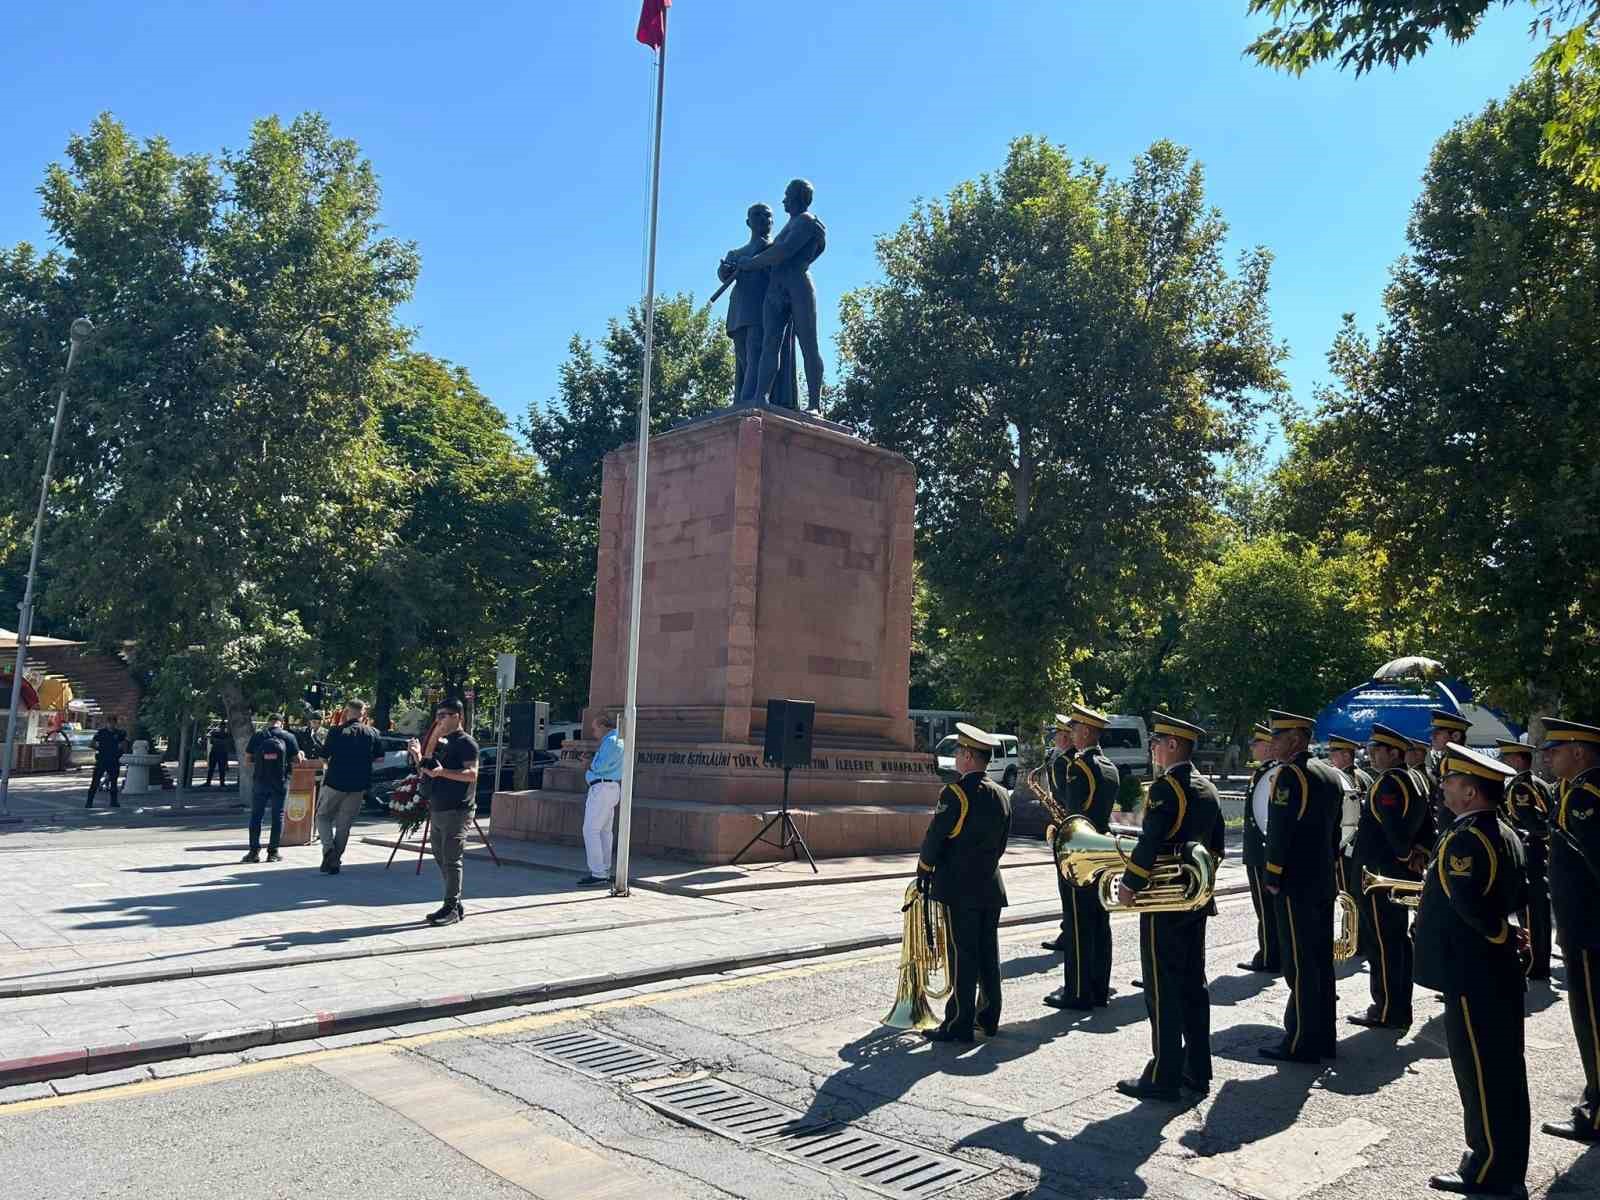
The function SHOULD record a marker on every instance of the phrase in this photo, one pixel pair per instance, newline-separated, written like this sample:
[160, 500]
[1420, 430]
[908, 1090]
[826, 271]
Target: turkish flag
[653, 23]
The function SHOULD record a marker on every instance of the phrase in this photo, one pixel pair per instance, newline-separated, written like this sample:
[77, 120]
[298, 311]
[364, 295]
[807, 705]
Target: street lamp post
[80, 332]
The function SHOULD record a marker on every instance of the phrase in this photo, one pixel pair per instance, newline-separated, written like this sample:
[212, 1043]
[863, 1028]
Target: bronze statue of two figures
[774, 305]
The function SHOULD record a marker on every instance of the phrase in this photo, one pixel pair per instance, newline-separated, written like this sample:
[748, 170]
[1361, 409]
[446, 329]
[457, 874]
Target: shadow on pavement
[1582, 1178]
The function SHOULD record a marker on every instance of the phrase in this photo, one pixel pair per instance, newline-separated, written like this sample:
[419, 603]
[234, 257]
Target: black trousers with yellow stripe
[1308, 1020]
[1088, 933]
[1267, 956]
[1583, 980]
[1483, 1030]
[1386, 938]
[1535, 919]
[975, 996]
[1173, 947]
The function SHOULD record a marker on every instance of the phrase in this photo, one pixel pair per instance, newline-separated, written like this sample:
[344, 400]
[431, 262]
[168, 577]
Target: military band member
[1467, 951]
[1342, 754]
[1257, 795]
[1529, 804]
[1444, 727]
[1092, 783]
[1063, 752]
[1182, 807]
[960, 867]
[1302, 839]
[1392, 840]
[1420, 762]
[1575, 899]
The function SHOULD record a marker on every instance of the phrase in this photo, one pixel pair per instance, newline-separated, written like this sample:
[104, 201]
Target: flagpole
[630, 720]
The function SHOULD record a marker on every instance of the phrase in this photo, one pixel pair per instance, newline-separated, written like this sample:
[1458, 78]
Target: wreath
[407, 805]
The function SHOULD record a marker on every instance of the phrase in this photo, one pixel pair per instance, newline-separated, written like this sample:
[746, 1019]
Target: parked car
[566, 731]
[1004, 766]
[1126, 741]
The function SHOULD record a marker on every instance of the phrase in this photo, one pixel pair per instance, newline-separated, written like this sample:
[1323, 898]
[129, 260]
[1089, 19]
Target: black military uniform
[1267, 956]
[1059, 775]
[960, 867]
[1425, 778]
[1091, 785]
[1394, 823]
[1466, 951]
[1302, 841]
[1357, 786]
[1530, 802]
[221, 746]
[1575, 901]
[1181, 807]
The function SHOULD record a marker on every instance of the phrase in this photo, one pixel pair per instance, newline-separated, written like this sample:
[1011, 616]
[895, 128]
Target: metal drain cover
[893, 1168]
[724, 1109]
[597, 1055]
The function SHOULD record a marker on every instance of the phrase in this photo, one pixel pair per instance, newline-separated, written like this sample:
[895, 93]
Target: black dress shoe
[1059, 944]
[1573, 1130]
[1138, 983]
[1060, 1000]
[1452, 1182]
[989, 1030]
[1253, 965]
[942, 1034]
[448, 915]
[1140, 1090]
[1368, 1021]
[1203, 1086]
[1282, 1054]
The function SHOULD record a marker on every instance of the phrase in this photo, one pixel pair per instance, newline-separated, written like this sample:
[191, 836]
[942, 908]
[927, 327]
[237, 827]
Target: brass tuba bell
[925, 941]
[1347, 939]
[1181, 882]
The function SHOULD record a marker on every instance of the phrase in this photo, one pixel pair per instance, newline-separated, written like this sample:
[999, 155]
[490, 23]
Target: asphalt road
[479, 1113]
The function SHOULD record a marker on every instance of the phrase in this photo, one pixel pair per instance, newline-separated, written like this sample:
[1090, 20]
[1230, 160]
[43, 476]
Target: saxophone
[1043, 794]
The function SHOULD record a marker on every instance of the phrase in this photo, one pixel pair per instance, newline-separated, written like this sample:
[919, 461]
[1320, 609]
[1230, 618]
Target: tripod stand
[789, 835]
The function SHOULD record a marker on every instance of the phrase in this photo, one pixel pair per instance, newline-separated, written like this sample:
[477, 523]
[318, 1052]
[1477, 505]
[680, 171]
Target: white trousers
[599, 813]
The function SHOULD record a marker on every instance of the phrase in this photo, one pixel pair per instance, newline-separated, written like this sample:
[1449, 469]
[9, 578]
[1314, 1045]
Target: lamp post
[80, 333]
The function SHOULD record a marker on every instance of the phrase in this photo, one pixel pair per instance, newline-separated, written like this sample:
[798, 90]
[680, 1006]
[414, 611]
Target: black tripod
[789, 835]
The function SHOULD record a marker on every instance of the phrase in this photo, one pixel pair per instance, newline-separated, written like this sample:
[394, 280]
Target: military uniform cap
[974, 738]
[1420, 744]
[1260, 730]
[1442, 718]
[1084, 715]
[1558, 731]
[1505, 746]
[1458, 760]
[1063, 722]
[1343, 743]
[1283, 722]
[1165, 726]
[1386, 736]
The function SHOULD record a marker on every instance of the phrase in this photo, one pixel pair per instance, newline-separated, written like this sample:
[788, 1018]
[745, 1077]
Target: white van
[1126, 742]
[1003, 766]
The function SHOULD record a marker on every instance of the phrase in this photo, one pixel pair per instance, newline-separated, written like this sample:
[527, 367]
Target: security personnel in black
[1530, 801]
[960, 867]
[1302, 840]
[1267, 956]
[1392, 840]
[1575, 900]
[1062, 754]
[1091, 789]
[1181, 807]
[1468, 952]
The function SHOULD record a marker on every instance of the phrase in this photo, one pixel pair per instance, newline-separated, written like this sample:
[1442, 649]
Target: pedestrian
[351, 747]
[272, 753]
[450, 763]
[109, 743]
[221, 746]
[960, 867]
[604, 777]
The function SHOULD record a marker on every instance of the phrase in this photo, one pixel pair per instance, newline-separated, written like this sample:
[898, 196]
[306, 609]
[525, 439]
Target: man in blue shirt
[600, 808]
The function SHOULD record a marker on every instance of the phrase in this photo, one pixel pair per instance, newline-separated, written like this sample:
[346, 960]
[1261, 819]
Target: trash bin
[300, 806]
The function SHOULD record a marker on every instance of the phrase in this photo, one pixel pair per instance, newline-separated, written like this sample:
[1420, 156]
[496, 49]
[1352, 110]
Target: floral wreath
[407, 805]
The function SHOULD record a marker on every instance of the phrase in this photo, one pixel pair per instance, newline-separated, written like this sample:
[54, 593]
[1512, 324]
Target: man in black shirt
[217, 760]
[351, 748]
[453, 767]
[272, 753]
[108, 742]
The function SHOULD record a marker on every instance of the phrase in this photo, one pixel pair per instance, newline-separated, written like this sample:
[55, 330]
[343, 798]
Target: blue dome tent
[1400, 694]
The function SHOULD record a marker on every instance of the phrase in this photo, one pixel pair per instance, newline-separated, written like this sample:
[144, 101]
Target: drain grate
[725, 1109]
[882, 1164]
[597, 1055]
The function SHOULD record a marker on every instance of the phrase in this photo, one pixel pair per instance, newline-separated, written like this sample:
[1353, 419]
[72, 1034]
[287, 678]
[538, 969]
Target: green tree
[1066, 360]
[1364, 34]
[1462, 432]
[595, 410]
[220, 472]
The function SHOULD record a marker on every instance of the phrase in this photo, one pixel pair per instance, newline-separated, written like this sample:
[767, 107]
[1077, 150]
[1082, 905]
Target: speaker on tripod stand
[787, 745]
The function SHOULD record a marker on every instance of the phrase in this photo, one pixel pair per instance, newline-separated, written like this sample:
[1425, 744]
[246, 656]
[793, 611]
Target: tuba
[1405, 892]
[1347, 939]
[1181, 882]
[925, 949]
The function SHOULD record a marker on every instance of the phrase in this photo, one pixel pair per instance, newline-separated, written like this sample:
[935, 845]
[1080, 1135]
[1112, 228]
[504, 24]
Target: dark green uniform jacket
[1303, 827]
[1182, 807]
[1575, 862]
[965, 840]
[1476, 880]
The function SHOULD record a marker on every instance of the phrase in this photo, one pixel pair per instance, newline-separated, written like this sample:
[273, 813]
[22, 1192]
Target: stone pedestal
[778, 564]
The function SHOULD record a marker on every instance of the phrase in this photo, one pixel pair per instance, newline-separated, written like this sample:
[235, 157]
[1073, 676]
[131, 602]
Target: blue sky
[511, 137]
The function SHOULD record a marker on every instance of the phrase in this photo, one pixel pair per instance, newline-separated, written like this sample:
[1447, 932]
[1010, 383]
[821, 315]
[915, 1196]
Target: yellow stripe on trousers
[1483, 1092]
[1594, 1032]
[1077, 948]
[1299, 979]
[1383, 956]
[1155, 982]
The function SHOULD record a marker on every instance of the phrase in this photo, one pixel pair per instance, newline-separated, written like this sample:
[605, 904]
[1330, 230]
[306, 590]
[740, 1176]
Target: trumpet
[1405, 892]
[1181, 882]
[925, 942]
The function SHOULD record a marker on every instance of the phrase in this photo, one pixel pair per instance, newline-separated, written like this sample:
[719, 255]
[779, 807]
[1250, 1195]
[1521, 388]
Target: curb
[97, 1060]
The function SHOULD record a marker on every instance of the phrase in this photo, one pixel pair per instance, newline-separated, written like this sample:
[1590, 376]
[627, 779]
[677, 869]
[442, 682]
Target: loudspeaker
[788, 741]
[528, 724]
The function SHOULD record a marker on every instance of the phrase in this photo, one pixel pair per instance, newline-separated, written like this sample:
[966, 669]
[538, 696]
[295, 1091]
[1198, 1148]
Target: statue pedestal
[778, 560]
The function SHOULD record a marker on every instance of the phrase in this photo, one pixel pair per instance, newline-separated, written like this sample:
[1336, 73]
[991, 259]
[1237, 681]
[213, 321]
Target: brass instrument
[1044, 795]
[925, 950]
[1348, 937]
[1181, 882]
[1405, 892]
